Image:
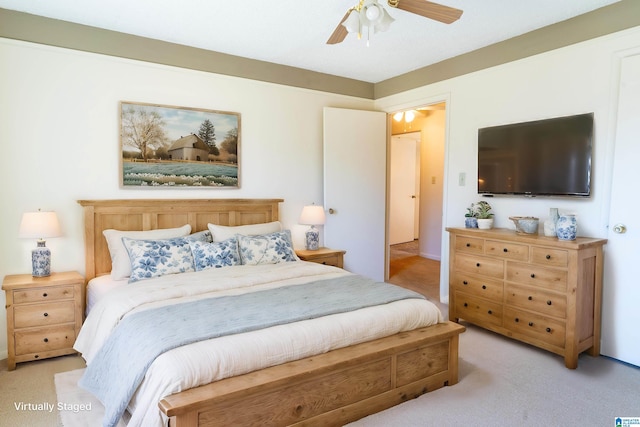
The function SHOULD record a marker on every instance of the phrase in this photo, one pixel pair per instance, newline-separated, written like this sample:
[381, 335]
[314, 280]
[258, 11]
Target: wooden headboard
[150, 214]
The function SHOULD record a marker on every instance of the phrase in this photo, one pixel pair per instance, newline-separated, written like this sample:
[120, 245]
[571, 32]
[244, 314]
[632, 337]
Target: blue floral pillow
[270, 248]
[215, 255]
[154, 258]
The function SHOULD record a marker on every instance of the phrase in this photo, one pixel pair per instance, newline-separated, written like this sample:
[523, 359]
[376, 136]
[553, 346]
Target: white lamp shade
[352, 23]
[39, 225]
[312, 215]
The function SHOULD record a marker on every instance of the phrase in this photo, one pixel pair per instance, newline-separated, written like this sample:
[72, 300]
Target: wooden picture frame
[164, 146]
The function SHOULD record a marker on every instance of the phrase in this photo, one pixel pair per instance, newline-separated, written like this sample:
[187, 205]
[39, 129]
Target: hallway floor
[409, 270]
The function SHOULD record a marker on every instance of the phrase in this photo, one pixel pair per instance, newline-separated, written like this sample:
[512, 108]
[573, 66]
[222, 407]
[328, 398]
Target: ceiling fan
[370, 14]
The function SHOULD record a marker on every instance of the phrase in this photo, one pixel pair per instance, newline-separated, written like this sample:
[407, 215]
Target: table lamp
[312, 215]
[40, 225]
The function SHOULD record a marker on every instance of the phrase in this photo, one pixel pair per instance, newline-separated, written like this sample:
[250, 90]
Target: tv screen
[546, 157]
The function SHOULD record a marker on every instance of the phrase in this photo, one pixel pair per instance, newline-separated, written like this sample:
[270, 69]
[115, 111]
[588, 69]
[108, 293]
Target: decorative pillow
[155, 258]
[224, 232]
[266, 248]
[201, 236]
[215, 254]
[120, 263]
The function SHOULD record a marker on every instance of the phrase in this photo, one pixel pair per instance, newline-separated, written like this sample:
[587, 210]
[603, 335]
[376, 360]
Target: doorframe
[423, 102]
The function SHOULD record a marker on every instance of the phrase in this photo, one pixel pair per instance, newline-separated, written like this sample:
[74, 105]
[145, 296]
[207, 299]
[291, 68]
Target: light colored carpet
[79, 407]
[502, 382]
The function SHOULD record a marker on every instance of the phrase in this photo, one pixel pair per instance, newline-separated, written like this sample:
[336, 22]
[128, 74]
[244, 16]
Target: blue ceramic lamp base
[41, 260]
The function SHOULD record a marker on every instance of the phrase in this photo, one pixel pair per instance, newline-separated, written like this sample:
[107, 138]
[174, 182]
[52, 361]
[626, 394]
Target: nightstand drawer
[333, 260]
[26, 316]
[44, 339]
[42, 294]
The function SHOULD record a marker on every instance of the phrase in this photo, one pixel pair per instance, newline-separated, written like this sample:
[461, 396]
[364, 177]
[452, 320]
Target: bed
[326, 386]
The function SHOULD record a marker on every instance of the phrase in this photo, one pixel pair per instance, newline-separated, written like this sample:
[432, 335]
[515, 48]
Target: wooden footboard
[333, 388]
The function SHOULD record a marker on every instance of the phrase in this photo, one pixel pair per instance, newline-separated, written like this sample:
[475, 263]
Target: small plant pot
[470, 222]
[485, 223]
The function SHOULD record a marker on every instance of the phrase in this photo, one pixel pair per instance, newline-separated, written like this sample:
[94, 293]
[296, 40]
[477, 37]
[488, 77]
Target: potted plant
[484, 215]
[470, 219]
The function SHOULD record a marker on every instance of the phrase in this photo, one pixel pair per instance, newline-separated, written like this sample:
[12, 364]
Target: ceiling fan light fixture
[385, 22]
[409, 116]
[398, 116]
[352, 23]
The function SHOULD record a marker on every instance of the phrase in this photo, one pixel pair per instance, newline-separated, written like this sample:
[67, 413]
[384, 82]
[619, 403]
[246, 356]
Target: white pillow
[120, 263]
[224, 232]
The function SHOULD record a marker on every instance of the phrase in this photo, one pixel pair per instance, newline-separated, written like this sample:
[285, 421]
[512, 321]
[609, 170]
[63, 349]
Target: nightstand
[44, 315]
[323, 256]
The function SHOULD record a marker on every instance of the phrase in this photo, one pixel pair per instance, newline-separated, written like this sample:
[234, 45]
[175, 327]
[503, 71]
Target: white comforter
[207, 361]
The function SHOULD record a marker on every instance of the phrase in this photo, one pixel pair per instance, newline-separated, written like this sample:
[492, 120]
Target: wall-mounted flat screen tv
[549, 157]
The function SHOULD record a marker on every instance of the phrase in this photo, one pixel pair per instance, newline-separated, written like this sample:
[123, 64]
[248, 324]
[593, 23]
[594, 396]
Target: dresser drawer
[469, 244]
[479, 286]
[44, 339]
[477, 309]
[538, 327]
[333, 260]
[549, 278]
[548, 256]
[43, 294]
[506, 250]
[43, 314]
[485, 266]
[540, 300]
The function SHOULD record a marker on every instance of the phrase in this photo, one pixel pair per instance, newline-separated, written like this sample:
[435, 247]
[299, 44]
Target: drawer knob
[490, 312]
[45, 295]
[484, 286]
[548, 257]
[530, 323]
[548, 329]
[324, 262]
[46, 340]
[505, 250]
[477, 264]
[46, 315]
[36, 356]
[530, 298]
[468, 245]
[464, 282]
[465, 304]
[517, 319]
[533, 276]
[549, 302]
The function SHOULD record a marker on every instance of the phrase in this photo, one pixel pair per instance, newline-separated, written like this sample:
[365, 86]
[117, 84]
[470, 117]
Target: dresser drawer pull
[490, 312]
[46, 340]
[505, 250]
[549, 302]
[465, 304]
[530, 323]
[45, 295]
[36, 356]
[548, 329]
[517, 319]
[484, 286]
[548, 257]
[530, 298]
[324, 262]
[477, 264]
[464, 282]
[468, 245]
[46, 314]
[533, 276]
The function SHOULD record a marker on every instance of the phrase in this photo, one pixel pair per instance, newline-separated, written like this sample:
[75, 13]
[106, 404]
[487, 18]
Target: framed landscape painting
[178, 147]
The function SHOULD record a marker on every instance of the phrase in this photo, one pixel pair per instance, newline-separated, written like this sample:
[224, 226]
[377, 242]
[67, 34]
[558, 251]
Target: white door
[355, 163]
[402, 188]
[621, 291]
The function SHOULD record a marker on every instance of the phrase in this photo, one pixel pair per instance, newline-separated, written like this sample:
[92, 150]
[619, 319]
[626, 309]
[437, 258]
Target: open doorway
[416, 263]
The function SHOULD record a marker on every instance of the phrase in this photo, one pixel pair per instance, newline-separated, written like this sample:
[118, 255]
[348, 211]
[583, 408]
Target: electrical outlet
[462, 178]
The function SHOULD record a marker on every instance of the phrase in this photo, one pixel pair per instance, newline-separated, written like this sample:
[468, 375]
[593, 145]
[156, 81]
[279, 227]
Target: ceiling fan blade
[428, 9]
[340, 32]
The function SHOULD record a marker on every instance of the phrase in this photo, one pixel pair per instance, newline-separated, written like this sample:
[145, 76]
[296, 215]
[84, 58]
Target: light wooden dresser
[44, 315]
[536, 289]
[326, 256]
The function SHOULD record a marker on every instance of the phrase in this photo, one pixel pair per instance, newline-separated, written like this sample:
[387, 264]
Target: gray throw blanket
[121, 364]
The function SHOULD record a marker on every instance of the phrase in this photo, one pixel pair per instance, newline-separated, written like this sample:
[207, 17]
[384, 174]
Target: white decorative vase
[485, 223]
[550, 223]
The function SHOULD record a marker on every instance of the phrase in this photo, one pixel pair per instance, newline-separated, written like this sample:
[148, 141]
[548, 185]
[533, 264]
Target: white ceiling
[294, 32]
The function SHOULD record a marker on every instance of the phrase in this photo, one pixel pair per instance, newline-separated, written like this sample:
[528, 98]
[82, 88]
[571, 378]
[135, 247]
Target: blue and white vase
[567, 227]
[470, 222]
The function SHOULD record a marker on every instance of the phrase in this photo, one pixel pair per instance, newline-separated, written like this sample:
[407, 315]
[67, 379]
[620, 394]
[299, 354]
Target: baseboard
[430, 256]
